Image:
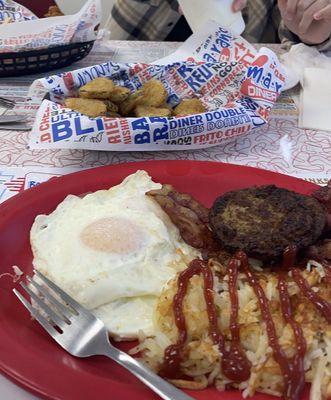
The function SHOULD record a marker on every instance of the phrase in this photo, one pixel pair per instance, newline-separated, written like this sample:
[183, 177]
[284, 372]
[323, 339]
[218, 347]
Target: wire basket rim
[47, 50]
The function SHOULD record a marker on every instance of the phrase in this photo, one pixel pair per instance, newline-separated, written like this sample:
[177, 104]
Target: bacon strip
[190, 217]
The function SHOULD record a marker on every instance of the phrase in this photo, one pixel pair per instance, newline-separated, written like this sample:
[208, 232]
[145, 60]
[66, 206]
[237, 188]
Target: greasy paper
[237, 84]
[32, 34]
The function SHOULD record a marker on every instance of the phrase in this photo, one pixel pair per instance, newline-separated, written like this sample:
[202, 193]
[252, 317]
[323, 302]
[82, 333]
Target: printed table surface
[279, 146]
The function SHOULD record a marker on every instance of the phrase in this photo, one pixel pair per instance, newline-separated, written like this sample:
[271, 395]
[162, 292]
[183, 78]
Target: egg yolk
[113, 235]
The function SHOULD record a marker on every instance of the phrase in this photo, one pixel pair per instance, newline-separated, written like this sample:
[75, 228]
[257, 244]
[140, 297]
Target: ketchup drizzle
[289, 257]
[235, 364]
[291, 378]
[238, 360]
[296, 364]
[322, 305]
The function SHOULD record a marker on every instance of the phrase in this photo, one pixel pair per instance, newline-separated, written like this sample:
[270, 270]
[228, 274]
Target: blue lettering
[255, 72]
[267, 81]
[203, 72]
[61, 131]
[100, 124]
[209, 116]
[214, 48]
[278, 86]
[160, 133]
[184, 70]
[140, 124]
[194, 85]
[78, 127]
[33, 183]
[172, 124]
[224, 40]
[209, 58]
[142, 138]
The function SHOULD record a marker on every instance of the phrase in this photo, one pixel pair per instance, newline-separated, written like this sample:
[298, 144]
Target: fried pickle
[149, 111]
[112, 114]
[7, 20]
[148, 101]
[153, 94]
[189, 107]
[53, 11]
[90, 107]
[119, 94]
[111, 107]
[128, 106]
[99, 88]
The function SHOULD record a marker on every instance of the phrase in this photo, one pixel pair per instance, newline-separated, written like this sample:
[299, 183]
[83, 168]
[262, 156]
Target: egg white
[112, 251]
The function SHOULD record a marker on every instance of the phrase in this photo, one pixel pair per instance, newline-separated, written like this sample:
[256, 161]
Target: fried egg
[112, 251]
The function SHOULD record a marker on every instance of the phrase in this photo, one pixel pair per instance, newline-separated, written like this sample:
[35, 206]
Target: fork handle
[160, 386]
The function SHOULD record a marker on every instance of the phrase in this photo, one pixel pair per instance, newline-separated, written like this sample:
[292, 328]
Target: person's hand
[238, 5]
[308, 19]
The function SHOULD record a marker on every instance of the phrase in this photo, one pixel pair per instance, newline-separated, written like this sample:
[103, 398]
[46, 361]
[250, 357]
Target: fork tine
[6, 100]
[7, 103]
[53, 316]
[67, 299]
[65, 312]
[42, 321]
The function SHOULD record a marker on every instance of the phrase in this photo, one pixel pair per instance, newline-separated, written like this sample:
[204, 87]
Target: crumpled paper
[237, 84]
[301, 56]
[32, 33]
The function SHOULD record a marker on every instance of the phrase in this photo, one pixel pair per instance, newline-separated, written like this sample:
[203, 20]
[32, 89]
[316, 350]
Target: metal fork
[79, 332]
[6, 103]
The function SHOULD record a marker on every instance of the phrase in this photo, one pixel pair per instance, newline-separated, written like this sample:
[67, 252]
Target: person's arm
[149, 2]
[307, 21]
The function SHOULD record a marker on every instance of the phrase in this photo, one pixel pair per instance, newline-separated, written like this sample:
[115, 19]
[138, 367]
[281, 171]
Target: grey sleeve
[150, 2]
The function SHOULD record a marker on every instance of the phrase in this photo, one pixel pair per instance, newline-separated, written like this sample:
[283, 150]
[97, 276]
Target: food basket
[43, 60]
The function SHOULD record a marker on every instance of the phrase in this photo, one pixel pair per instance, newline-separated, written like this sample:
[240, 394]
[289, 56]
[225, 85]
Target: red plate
[27, 354]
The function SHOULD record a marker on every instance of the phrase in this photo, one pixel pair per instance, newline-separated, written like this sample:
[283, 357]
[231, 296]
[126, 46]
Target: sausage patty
[263, 221]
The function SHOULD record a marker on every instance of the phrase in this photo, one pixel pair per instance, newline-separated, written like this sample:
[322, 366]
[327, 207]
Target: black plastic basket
[35, 61]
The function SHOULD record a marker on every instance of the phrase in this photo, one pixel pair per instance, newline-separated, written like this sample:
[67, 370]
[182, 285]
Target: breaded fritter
[119, 94]
[53, 11]
[263, 221]
[99, 88]
[189, 107]
[111, 107]
[127, 106]
[90, 107]
[153, 93]
[149, 111]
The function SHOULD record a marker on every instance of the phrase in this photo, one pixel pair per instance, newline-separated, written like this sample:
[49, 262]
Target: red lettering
[110, 124]
[45, 137]
[114, 139]
[44, 126]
